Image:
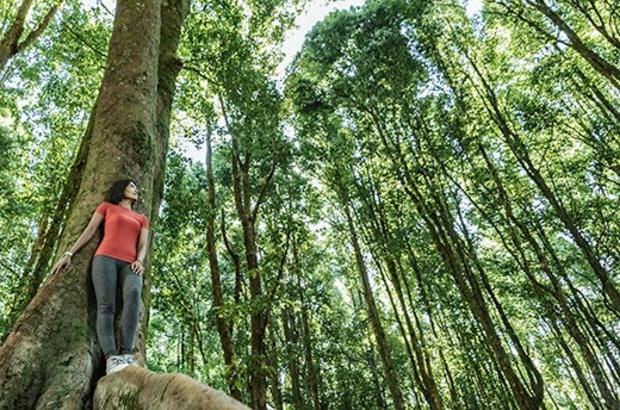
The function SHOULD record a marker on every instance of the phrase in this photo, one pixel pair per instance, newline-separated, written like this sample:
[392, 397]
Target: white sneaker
[114, 364]
[129, 359]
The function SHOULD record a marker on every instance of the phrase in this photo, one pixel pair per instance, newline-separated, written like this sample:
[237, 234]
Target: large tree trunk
[53, 348]
[173, 15]
[52, 358]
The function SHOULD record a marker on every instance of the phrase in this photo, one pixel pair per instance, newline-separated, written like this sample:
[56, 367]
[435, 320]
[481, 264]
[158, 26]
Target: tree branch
[40, 28]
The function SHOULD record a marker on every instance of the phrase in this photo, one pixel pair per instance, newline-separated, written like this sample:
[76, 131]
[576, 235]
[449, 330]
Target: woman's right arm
[88, 233]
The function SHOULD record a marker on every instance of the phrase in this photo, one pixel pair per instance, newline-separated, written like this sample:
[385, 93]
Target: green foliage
[46, 95]
[478, 156]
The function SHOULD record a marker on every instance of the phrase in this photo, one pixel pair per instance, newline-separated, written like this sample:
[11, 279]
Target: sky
[304, 24]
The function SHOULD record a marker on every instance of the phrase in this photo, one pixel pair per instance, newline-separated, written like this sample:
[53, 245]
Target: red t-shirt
[121, 231]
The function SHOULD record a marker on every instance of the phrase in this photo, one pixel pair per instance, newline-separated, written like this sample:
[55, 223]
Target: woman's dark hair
[115, 193]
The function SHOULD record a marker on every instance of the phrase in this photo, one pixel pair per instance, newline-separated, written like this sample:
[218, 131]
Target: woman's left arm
[142, 245]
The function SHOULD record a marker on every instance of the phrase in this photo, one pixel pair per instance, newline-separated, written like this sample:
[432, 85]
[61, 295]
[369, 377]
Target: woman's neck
[125, 203]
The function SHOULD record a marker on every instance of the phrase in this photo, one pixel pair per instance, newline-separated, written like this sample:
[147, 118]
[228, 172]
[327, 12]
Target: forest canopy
[420, 211]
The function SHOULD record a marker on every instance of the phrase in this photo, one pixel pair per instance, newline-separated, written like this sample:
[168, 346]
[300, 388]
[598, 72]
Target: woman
[118, 260]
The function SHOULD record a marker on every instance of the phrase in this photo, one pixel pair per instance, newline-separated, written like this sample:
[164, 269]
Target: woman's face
[131, 191]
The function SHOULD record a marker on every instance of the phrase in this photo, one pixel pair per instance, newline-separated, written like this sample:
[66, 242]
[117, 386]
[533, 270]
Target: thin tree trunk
[223, 328]
[274, 362]
[557, 292]
[520, 152]
[448, 243]
[379, 400]
[540, 290]
[605, 68]
[291, 338]
[311, 368]
[384, 350]
[258, 317]
[382, 238]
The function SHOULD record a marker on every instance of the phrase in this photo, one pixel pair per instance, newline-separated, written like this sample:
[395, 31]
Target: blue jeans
[106, 273]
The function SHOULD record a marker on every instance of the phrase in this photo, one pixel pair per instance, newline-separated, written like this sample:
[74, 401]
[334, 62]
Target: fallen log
[136, 388]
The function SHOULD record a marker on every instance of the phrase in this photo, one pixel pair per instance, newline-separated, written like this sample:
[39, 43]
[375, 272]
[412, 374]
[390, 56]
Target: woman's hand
[137, 267]
[62, 265]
